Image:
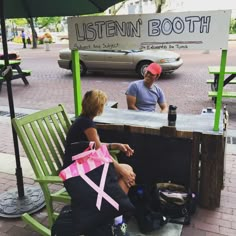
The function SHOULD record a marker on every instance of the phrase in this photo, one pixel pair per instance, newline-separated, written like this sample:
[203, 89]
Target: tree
[30, 21]
[117, 7]
[43, 22]
[114, 10]
[233, 26]
[159, 4]
[34, 33]
[16, 23]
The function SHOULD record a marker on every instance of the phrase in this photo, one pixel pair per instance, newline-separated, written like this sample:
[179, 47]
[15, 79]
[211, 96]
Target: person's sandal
[120, 230]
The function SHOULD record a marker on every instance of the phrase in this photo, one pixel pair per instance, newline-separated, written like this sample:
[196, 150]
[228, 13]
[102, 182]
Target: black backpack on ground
[158, 204]
[148, 219]
[176, 202]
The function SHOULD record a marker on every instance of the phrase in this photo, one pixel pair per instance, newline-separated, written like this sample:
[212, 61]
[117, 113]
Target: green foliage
[45, 21]
[19, 21]
[40, 21]
[232, 26]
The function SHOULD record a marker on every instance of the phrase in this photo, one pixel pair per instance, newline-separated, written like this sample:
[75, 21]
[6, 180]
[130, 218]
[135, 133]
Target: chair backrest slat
[50, 147]
[25, 137]
[43, 148]
[49, 133]
[34, 137]
[60, 132]
[65, 122]
[54, 142]
[59, 128]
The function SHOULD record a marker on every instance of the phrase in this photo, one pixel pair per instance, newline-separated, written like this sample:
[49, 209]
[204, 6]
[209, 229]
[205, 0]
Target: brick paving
[221, 221]
[218, 222]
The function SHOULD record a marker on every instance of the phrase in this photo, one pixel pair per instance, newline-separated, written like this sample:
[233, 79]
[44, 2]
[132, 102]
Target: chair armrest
[114, 154]
[49, 179]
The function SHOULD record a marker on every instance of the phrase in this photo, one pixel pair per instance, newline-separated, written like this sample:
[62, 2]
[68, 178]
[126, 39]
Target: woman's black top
[76, 140]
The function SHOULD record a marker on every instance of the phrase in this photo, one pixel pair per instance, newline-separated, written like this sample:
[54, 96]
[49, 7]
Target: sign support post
[76, 82]
[220, 90]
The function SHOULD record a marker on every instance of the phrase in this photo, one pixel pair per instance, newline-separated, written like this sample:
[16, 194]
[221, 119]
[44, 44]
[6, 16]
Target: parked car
[123, 60]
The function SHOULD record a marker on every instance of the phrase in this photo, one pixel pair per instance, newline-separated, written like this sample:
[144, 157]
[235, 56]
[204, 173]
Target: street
[49, 85]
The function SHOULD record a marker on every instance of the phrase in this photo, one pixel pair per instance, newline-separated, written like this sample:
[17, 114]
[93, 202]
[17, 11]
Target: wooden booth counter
[190, 153]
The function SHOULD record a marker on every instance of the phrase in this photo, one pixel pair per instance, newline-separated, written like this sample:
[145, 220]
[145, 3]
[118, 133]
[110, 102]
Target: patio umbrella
[28, 9]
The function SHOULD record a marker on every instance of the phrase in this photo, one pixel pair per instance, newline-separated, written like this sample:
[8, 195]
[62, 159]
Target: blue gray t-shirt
[146, 98]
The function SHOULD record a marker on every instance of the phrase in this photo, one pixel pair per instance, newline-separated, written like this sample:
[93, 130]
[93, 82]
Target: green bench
[229, 74]
[25, 72]
[17, 75]
[211, 81]
[214, 86]
[225, 94]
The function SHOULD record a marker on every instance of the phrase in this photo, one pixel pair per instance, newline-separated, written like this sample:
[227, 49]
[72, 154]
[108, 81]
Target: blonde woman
[83, 129]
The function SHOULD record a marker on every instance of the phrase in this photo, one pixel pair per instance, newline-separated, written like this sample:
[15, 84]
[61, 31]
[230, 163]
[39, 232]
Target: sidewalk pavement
[218, 222]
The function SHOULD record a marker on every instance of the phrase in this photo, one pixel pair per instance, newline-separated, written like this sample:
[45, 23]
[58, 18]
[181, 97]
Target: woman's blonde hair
[93, 103]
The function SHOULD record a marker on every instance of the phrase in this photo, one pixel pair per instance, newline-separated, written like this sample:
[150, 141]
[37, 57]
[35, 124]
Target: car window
[134, 51]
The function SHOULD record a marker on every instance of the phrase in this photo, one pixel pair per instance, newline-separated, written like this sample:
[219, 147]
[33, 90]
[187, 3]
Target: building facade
[149, 6]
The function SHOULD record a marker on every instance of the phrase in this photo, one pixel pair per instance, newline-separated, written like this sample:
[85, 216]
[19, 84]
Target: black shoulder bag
[176, 202]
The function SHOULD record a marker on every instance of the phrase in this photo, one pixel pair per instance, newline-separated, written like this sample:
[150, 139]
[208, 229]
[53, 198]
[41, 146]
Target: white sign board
[171, 31]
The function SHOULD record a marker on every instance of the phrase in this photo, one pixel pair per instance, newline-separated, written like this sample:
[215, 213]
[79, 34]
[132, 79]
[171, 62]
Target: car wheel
[83, 68]
[141, 68]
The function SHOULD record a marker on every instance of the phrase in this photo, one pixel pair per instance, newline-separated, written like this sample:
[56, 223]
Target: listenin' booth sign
[170, 31]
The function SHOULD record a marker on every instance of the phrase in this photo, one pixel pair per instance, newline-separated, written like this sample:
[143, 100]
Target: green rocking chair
[42, 136]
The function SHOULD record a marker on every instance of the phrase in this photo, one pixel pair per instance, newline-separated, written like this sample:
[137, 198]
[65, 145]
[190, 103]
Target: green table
[215, 70]
[17, 71]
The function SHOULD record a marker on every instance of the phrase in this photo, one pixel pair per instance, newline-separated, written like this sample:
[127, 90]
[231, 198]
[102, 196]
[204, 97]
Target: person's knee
[124, 182]
[127, 167]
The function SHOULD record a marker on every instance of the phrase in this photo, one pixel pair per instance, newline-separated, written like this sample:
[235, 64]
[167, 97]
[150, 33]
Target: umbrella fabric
[43, 8]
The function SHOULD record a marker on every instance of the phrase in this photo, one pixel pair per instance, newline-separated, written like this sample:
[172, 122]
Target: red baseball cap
[154, 68]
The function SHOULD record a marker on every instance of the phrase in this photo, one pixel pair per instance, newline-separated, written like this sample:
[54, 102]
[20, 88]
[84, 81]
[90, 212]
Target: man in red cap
[145, 94]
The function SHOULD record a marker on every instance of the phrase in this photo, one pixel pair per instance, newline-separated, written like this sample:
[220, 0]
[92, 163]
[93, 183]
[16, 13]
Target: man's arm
[164, 107]
[131, 101]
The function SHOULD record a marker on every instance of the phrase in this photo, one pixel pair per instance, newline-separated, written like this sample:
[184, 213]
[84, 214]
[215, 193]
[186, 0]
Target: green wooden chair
[42, 135]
